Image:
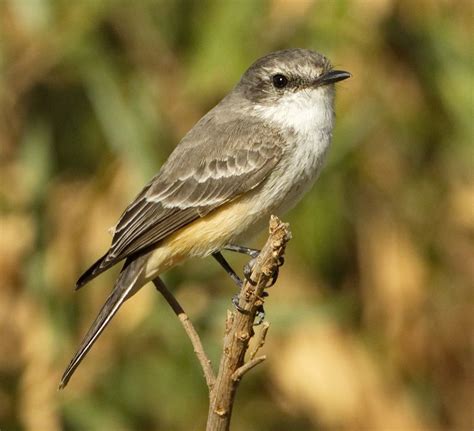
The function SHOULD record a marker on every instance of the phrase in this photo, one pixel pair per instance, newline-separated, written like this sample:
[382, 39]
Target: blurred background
[372, 317]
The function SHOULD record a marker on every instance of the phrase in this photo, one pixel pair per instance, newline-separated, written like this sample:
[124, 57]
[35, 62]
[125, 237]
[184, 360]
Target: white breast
[308, 116]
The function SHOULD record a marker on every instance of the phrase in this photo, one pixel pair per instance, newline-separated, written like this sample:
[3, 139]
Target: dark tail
[97, 268]
[125, 285]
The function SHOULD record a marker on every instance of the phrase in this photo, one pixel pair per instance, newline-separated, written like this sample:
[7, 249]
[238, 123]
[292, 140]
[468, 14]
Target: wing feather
[197, 178]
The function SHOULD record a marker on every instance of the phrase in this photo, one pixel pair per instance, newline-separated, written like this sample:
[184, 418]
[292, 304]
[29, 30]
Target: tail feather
[124, 287]
[97, 268]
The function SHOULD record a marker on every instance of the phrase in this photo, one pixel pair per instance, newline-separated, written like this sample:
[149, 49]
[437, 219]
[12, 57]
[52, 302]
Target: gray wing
[214, 164]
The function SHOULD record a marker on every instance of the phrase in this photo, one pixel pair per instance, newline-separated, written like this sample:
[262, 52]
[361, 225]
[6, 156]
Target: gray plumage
[264, 142]
[216, 162]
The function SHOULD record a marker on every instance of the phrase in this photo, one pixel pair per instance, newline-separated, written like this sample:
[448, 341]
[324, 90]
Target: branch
[260, 340]
[190, 330]
[238, 331]
[239, 328]
[239, 373]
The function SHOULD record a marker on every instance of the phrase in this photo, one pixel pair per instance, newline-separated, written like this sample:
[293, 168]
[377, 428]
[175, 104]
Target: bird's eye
[280, 81]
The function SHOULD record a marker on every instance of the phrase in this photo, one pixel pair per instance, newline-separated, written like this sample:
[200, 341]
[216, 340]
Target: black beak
[332, 76]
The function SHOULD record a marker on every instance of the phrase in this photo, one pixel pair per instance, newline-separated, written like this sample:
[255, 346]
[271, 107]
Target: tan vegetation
[373, 313]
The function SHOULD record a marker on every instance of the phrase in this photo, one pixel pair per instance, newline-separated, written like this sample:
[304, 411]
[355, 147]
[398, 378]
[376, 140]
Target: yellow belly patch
[201, 237]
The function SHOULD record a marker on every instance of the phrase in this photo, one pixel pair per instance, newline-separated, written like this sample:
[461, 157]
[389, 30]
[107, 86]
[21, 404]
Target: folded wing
[211, 166]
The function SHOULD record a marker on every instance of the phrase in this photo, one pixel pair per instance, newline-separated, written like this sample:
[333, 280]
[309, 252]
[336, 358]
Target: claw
[274, 277]
[259, 316]
[235, 302]
[248, 269]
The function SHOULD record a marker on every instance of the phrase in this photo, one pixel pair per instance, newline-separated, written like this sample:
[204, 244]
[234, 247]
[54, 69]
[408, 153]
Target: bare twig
[239, 373]
[239, 329]
[190, 330]
[262, 335]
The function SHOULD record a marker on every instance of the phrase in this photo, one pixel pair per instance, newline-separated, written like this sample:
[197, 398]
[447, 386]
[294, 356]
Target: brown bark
[239, 329]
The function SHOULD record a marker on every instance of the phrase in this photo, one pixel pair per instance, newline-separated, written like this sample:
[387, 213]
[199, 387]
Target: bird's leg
[235, 299]
[248, 268]
[252, 252]
[218, 256]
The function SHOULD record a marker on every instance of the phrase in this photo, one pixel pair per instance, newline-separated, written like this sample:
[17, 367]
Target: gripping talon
[235, 302]
[259, 316]
[248, 269]
[274, 277]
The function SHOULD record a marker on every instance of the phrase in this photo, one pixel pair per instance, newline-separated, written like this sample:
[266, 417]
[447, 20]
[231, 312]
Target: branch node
[243, 336]
[244, 369]
[221, 412]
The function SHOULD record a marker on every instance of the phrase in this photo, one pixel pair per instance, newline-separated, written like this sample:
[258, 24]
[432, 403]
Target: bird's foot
[248, 269]
[259, 316]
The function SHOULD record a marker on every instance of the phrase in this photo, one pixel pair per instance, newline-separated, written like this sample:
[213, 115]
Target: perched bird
[254, 154]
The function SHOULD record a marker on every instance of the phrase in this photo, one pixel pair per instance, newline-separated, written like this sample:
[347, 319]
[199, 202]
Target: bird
[256, 153]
